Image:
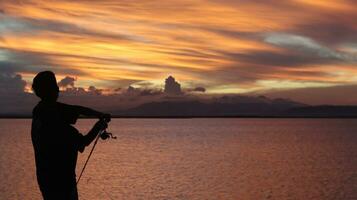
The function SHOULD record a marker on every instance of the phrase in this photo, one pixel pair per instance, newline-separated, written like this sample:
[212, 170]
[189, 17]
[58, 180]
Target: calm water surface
[199, 159]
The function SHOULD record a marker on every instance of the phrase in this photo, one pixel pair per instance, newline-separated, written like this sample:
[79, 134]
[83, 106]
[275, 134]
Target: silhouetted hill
[322, 111]
[226, 106]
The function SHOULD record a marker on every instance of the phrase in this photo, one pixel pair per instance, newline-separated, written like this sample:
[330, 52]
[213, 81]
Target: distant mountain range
[237, 106]
[322, 111]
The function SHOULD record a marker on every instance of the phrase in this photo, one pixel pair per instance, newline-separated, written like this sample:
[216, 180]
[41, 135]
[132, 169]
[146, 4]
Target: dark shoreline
[192, 117]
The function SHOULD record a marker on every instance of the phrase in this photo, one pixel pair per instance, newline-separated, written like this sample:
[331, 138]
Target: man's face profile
[45, 86]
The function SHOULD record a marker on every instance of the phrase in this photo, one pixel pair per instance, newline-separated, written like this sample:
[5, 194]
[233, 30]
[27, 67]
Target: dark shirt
[56, 144]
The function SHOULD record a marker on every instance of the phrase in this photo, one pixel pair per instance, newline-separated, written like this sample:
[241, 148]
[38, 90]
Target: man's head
[45, 86]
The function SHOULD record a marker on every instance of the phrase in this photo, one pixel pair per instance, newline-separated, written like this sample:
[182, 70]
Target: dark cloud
[234, 34]
[94, 90]
[172, 87]
[275, 59]
[248, 67]
[26, 25]
[131, 89]
[330, 32]
[74, 91]
[317, 76]
[11, 83]
[185, 52]
[94, 97]
[14, 100]
[150, 92]
[33, 62]
[10, 67]
[199, 89]
[329, 28]
[23, 58]
[67, 81]
[70, 89]
[196, 89]
[266, 3]
[234, 74]
[134, 91]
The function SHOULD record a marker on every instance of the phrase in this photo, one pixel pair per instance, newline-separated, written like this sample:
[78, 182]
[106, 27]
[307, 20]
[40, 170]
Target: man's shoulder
[62, 104]
[69, 113]
[50, 109]
[43, 108]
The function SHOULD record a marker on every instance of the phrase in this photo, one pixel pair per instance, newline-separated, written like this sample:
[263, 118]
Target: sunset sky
[290, 47]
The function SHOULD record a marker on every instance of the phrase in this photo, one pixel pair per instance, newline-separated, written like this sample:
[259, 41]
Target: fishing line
[90, 154]
[103, 190]
[103, 134]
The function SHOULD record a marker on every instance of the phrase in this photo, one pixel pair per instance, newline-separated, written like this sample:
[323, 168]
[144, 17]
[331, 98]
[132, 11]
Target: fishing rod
[103, 134]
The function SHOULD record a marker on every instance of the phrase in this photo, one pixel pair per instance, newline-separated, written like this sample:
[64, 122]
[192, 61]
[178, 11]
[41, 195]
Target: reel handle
[106, 135]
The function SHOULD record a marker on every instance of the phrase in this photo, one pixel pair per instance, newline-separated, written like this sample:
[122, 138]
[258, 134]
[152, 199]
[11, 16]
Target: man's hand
[100, 125]
[106, 117]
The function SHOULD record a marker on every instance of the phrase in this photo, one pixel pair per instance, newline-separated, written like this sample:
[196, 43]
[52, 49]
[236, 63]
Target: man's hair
[44, 84]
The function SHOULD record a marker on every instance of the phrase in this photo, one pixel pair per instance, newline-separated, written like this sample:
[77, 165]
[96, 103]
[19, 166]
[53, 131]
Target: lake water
[199, 159]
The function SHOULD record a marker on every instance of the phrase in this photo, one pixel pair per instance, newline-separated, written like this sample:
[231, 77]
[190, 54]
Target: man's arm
[92, 113]
[92, 134]
[88, 112]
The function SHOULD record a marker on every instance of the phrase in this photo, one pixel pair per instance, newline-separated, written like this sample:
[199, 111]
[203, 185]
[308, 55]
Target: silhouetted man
[56, 142]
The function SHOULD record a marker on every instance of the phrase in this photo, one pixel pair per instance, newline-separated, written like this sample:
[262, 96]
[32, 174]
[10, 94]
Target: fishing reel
[106, 135]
